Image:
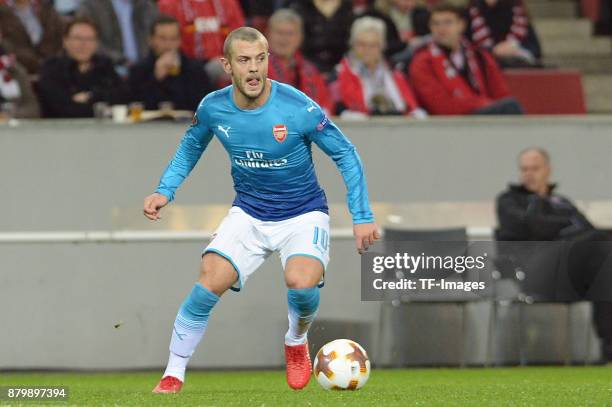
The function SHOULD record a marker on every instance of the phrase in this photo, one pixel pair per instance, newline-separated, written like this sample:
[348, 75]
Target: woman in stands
[366, 85]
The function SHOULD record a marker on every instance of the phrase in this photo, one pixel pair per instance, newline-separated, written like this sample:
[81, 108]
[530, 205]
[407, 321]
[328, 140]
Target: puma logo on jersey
[311, 108]
[226, 130]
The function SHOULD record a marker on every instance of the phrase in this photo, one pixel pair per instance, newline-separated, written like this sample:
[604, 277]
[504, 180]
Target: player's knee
[298, 279]
[216, 273]
[206, 268]
[303, 272]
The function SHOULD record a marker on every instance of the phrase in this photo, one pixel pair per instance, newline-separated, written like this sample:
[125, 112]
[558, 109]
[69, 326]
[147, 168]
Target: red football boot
[299, 366]
[168, 384]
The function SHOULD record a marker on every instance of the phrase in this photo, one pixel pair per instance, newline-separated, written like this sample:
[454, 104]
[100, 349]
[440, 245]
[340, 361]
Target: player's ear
[227, 67]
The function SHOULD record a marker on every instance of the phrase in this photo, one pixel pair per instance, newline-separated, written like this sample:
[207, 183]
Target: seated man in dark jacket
[72, 83]
[167, 75]
[532, 211]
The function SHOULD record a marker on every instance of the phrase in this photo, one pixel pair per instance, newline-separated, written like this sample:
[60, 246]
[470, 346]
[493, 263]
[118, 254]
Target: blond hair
[247, 34]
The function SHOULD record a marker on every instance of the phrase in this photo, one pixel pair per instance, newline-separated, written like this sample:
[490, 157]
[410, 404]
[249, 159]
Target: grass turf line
[531, 386]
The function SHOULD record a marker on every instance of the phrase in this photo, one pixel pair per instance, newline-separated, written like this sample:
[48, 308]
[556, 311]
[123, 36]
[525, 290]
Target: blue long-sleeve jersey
[270, 152]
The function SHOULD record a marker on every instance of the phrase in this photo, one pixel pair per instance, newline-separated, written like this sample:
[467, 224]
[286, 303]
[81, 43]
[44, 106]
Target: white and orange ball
[342, 365]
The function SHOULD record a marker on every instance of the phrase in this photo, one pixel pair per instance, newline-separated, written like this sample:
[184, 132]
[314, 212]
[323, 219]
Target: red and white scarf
[481, 32]
[9, 87]
[450, 76]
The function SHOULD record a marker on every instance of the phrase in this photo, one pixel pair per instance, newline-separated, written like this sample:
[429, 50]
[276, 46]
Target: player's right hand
[153, 204]
[365, 236]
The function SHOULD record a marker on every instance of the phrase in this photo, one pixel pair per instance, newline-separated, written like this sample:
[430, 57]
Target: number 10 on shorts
[320, 238]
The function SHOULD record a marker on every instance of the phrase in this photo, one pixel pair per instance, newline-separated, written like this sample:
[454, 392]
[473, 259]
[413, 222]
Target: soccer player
[267, 128]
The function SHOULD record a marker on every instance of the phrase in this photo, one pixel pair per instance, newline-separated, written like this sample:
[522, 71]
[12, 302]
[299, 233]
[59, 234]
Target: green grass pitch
[531, 386]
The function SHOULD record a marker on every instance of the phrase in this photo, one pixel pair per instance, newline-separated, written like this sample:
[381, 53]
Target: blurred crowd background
[76, 58]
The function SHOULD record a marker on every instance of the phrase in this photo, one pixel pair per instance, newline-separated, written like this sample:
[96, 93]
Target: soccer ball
[342, 365]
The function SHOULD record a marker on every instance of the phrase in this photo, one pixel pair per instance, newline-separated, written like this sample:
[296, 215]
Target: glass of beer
[175, 68]
[135, 110]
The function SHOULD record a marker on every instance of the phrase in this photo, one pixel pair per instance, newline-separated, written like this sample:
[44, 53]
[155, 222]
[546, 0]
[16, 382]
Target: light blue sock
[303, 306]
[189, 328]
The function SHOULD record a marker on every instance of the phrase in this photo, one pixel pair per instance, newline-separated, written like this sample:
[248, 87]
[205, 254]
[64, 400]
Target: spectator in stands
[286, 63]
[261, 10]
[67, 7]
[15, 89]
[366, 84]
[327, 25]
[32, 31]
[123, 27]
[451, 76]
[603, 14]
[168, 75]
[394, 43]
[72, 83]
[532, 211]
[409, 18]
[503, 28]
[204, 26]
[407, 28]
[533, 202]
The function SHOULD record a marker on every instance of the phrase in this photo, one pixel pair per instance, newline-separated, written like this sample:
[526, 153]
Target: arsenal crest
[280, 132]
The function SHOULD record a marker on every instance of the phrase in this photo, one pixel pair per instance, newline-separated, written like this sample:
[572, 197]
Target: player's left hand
[365, 235]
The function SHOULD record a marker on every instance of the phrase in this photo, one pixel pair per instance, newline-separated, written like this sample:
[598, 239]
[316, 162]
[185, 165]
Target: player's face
[248, 66]
[165, 38]
[285, 38]
[81, 42]
[534, 171]
[447, 29]
[368, 48]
